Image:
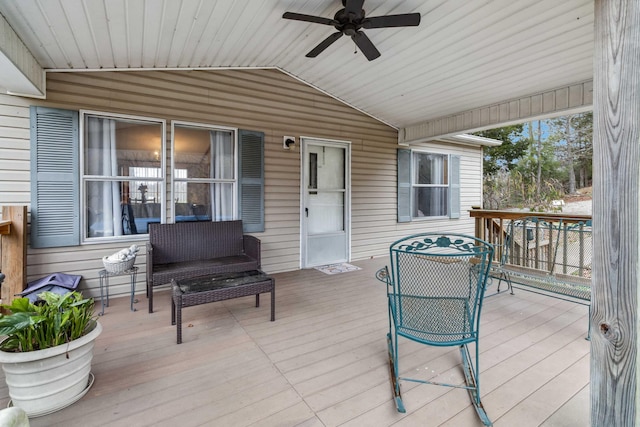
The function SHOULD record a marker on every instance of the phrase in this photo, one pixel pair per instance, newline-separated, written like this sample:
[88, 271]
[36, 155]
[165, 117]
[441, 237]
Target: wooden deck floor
[323, 362]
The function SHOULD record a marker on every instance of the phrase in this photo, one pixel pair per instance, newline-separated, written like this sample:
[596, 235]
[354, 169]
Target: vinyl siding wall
[261, 100]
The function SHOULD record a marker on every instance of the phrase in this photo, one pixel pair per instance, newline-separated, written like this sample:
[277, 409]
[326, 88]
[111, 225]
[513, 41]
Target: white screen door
[325, 202]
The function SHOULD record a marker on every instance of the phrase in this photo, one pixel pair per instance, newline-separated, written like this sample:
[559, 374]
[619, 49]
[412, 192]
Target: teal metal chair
[435, 288]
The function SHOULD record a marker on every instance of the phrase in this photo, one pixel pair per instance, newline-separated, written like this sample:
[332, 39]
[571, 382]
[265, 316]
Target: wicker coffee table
[218, 287]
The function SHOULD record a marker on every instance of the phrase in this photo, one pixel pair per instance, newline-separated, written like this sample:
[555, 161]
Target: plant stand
[104, 283]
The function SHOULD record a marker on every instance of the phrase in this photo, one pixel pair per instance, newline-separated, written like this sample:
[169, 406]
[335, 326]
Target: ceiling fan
[349, 21]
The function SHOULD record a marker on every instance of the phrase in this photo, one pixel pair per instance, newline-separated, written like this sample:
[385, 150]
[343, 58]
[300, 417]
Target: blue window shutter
[454, 187]
[251, 180]
[404, 185]
[55, 179]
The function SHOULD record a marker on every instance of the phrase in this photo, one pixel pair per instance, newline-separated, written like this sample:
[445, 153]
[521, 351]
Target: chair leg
[471, 379]
[508, 280]
[150, 296]
[499, 283]
[393, 368]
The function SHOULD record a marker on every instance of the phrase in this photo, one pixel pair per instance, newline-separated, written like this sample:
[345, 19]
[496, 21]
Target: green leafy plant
[52, 320]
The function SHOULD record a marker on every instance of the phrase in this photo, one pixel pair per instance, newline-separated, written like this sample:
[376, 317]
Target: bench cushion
[163, 273]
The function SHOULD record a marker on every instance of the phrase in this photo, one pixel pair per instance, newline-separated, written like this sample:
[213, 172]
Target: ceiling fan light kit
[350, 21]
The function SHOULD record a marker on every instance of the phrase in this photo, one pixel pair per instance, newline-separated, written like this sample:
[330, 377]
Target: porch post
[616, 214]
[14, 253]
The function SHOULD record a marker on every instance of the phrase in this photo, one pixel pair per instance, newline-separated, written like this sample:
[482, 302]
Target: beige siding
[374, 200]
[14, 151]
[262, 100]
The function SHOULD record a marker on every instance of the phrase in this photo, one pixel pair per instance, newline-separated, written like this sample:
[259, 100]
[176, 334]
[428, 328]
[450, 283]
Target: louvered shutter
[55, 195]
[454, 187]
[251, 180]
[404, 185]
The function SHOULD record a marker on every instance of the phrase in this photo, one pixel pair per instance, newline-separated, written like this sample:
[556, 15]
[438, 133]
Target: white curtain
[103, 198]
[222, 166]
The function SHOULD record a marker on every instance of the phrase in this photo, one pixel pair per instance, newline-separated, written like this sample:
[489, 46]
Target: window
[209, 185]
[428, 185]
[101, 177]
[116, 149]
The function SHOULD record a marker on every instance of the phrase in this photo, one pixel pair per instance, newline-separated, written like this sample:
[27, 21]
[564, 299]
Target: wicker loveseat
[190, 249]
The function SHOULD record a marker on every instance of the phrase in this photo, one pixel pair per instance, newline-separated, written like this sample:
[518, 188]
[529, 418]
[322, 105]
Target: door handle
[306, 212]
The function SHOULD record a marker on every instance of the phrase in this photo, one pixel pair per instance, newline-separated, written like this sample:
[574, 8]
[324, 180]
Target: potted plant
[46, 356]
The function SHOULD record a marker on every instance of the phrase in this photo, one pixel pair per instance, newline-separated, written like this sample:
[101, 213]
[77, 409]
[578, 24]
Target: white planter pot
[44, 381]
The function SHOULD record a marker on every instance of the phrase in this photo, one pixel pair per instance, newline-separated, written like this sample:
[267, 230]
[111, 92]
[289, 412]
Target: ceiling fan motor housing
[349, 23]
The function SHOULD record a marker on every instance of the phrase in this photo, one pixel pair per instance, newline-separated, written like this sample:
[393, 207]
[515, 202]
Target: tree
[537, 162]
[573, 135]
[506, 155]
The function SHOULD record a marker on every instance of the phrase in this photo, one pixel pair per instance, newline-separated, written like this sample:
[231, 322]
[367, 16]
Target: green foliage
[528, 163]
[572, 136]
[528, 172]
[51, 321]
[506, 155]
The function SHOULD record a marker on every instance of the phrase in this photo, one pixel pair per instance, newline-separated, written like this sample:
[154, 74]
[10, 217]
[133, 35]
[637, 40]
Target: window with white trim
[428, 185]
[209, 186]
[115, 149]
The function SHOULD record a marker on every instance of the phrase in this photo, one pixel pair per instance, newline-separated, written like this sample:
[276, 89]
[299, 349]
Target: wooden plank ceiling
[464, 55]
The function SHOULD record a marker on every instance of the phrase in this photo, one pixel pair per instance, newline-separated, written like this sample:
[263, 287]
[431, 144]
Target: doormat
[341, 267]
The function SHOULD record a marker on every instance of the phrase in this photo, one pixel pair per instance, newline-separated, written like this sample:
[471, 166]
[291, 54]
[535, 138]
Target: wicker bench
[191, 249]
[218, 287]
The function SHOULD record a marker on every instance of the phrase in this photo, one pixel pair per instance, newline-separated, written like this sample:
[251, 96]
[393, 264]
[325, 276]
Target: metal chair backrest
[436, 285]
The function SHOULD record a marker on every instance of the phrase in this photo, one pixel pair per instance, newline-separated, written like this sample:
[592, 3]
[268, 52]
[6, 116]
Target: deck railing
[567, 252]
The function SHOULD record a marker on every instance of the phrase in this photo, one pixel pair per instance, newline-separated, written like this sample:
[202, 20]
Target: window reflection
[115, 150]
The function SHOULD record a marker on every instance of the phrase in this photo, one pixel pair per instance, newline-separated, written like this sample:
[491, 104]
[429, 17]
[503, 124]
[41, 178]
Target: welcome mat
[341, 267]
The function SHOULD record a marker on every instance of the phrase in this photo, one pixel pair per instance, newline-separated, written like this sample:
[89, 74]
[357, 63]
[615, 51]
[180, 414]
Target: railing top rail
[488, 213]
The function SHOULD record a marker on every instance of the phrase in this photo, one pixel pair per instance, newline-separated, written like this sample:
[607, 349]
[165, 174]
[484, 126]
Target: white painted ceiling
[465, 53]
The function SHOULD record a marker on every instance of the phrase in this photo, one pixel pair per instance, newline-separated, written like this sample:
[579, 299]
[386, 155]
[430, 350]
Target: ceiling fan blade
[403, 20]
[354, 6]
[324, 44]
[365, 45]
[309, 18]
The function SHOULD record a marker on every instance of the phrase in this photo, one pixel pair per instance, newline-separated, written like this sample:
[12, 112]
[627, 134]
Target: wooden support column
[615, 342]
[14, 252]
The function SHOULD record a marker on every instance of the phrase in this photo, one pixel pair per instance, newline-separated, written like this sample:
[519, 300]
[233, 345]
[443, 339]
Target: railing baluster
[581, 246]
[493, 225]
[565, 247]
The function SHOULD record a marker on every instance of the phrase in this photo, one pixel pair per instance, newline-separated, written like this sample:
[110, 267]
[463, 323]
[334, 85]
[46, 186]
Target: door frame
[304, 141]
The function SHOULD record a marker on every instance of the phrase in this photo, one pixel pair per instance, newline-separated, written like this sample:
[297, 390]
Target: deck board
[323, 362]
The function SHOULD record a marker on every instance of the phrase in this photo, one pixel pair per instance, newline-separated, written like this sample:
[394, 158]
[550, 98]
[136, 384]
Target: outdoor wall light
[288, 142]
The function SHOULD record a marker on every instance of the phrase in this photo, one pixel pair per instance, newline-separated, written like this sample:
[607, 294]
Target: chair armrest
[252, 247]
[383, 275]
